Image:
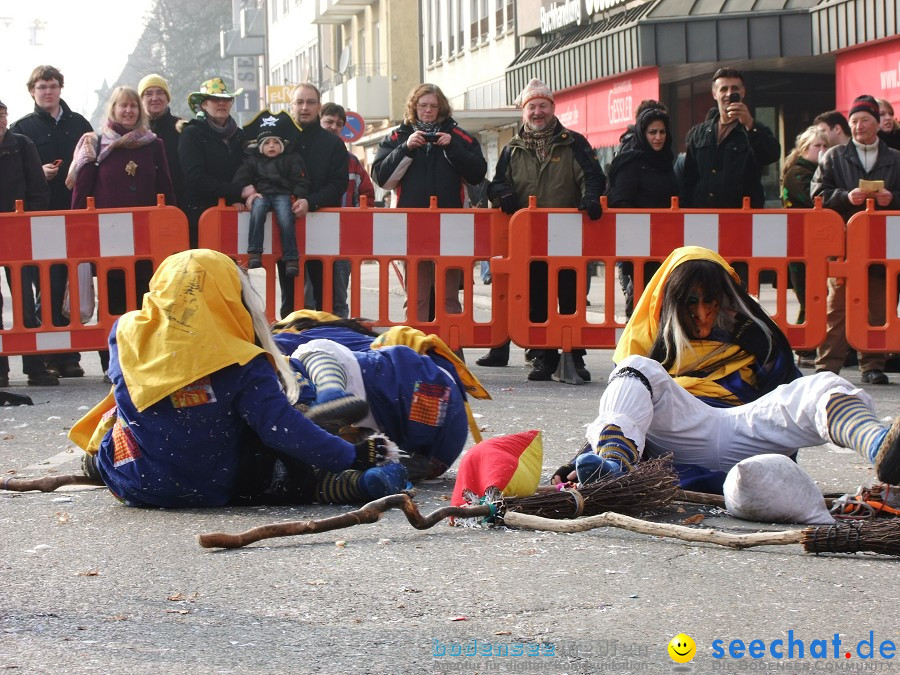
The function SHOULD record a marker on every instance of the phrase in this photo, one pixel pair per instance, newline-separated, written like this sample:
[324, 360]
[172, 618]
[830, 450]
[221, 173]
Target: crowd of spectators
[142, 150]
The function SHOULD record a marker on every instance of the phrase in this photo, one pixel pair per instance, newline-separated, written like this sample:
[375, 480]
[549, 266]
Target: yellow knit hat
[154, 80]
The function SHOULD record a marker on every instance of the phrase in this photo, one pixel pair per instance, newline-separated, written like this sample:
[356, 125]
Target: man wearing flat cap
[155, 97]
[560, 168]
[837, 180]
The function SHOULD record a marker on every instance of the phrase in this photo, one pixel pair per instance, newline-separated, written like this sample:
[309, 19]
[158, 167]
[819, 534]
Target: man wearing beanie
[155, 97]
[560, 168]
[865, 157]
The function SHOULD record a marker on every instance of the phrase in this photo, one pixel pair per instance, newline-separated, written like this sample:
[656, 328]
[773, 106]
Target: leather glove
[370, 452]
[509, 203]
[593, 208]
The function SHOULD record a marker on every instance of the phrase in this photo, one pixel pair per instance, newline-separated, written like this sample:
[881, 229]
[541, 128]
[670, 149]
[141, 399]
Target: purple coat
[111, 184]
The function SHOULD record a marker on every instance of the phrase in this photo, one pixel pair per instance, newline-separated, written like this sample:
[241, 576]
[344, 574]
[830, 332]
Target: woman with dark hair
[642, 175]
[429, 155]
[703, 373]
[201, 411]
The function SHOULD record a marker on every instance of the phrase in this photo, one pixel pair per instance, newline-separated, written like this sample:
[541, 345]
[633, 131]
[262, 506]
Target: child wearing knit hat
[279, 179]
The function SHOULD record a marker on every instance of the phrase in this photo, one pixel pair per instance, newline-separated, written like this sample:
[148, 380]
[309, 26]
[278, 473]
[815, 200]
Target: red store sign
[873, 70]
[603, 109]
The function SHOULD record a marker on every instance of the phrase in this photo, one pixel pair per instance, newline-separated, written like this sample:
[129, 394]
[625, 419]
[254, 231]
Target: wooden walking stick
[651, 485]
[370, 513]
[45, 484]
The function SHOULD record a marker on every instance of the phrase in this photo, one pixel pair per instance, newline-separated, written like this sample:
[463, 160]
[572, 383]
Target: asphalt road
[92, 586]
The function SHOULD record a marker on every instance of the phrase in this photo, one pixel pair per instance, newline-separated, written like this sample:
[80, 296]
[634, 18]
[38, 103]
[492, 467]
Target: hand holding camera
[737, 109]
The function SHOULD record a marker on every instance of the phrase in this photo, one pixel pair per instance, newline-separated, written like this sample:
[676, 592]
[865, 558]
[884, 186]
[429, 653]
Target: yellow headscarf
[421, 343]
[192, 323]
[641, 331]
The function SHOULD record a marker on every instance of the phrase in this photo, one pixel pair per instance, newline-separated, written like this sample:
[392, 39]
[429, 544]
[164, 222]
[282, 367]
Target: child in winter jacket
[279, 179]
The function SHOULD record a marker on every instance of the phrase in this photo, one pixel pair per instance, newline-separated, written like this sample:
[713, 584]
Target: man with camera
[726, 153]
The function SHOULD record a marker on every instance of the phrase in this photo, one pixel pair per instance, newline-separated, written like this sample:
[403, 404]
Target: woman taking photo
[211, 151]
[642, 175]
[429, 155]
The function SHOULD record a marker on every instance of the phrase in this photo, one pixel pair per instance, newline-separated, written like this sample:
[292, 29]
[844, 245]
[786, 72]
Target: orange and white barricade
[119, 240]
[873, 245]
[386, 249]
[757, 240]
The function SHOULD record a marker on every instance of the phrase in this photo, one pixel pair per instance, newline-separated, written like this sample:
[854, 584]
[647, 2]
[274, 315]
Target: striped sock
[852, 424]
[339, 488]
[326, 374]
[613, 444]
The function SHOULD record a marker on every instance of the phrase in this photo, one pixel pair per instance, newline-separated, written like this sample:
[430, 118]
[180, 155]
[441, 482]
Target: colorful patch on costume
[125, 446]
[429, 404]
[196, 393]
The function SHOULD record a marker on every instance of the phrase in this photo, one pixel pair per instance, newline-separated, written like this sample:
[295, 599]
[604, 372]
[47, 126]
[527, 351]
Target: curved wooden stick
[609, 519]
[370, 513]
[45, 484]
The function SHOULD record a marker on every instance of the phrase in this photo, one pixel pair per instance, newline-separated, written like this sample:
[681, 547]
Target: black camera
[734, 97]
[430, 138]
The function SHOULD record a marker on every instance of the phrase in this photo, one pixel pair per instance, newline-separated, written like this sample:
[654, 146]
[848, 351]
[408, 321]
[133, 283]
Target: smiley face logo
[682, 648]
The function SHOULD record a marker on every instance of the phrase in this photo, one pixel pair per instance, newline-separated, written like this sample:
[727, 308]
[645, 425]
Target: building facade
[800, 58]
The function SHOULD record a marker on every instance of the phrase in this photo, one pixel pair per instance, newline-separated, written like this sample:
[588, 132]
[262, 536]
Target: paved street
[92, 586]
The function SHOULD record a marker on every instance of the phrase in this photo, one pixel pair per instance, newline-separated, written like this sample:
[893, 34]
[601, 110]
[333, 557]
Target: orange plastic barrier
[109, 239]
[397, 240]
[873, 239]
[564, 239]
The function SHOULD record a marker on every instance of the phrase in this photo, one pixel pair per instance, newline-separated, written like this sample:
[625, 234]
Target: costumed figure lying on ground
[703, 373]
[404, 383]
[200, 412]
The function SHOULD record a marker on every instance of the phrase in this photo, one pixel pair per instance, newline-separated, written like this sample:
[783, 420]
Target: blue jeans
[280, 205]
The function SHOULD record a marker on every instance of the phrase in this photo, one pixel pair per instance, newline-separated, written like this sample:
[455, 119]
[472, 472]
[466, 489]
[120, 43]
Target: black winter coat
[840, 171]
[209, 165]
[21, 175]
[430, 170]
[720, 175]
[325, 157]
[165, 127]
[636, 183]
[55, 140]
[283, 174]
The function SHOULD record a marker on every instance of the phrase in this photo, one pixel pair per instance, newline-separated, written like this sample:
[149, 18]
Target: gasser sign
[567, 12]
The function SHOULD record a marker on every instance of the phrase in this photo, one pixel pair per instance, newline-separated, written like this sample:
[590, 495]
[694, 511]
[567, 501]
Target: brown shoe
[291, 268]
[254, 261]
[43, 380]
[70, 370]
